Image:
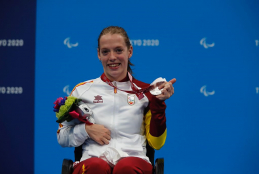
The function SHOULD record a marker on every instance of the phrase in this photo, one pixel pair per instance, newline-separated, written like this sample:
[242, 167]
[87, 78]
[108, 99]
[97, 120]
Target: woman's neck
[121, 79]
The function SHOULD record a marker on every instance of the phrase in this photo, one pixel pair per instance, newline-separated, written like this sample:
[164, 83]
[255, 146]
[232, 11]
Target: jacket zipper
[114, 117]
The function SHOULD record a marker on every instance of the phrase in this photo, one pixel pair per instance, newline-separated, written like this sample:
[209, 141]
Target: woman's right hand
[98, 133]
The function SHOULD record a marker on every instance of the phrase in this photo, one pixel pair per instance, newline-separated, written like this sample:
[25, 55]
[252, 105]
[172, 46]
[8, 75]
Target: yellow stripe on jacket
[155, 142]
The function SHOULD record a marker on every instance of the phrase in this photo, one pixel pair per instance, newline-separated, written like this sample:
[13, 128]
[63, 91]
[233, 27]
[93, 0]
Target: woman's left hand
[167, 90]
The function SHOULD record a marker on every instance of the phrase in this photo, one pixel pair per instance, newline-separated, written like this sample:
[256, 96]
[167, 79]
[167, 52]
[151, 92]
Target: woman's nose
[112, 56]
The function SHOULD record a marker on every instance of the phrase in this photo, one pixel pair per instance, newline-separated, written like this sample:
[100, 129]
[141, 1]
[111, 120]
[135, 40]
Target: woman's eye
[119, 50]
[104, 51]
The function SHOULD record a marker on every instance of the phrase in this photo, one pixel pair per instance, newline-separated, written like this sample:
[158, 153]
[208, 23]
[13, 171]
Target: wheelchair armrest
[67, 166]
[159, 166]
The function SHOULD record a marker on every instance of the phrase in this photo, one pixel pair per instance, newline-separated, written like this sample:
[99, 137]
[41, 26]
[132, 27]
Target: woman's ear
[98, 54]
[130, 51]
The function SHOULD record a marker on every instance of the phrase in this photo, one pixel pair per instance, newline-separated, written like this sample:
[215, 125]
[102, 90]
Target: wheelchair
[158, 166]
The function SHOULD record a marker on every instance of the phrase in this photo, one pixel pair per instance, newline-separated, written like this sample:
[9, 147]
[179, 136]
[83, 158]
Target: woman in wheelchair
[127, 113]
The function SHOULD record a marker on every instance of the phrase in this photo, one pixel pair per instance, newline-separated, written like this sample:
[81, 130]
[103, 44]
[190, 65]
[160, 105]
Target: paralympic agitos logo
[206, 45]
[68, 44]
[205, 92]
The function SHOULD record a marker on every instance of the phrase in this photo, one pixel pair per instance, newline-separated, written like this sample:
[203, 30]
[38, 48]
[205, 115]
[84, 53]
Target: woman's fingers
[98, 133]
[167, 90]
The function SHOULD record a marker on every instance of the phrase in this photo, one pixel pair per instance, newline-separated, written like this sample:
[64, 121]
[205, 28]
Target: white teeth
[113, 65]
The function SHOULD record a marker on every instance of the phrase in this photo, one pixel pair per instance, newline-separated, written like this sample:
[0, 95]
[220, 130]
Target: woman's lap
[128, 165]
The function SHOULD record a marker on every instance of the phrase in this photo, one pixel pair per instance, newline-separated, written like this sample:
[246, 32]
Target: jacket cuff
[80, 132]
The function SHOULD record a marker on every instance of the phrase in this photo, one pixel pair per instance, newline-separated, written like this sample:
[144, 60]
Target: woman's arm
[155, 120]
[71, 134]
[155, 123]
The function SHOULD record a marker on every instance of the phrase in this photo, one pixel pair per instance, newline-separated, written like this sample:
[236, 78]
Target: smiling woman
[125, 119]
[120, 31]
[114, 55]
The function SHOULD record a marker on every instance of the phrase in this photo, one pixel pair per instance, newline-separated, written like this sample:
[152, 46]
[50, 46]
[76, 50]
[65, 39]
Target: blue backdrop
[211, 47]
[17, 73]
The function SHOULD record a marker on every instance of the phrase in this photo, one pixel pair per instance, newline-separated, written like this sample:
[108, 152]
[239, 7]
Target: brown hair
[123, 33]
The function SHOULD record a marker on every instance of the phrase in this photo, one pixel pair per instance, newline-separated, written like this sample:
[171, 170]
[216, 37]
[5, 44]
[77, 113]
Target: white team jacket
[120, 112]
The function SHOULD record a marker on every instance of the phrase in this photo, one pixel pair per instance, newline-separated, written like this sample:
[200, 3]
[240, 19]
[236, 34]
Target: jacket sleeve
[73, 133]
[155, 123]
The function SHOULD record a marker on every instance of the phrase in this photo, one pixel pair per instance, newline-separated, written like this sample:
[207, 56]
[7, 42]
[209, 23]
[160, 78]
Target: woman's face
[114, 55]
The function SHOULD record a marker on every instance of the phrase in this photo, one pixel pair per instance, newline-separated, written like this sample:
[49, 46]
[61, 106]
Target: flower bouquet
[70, 107]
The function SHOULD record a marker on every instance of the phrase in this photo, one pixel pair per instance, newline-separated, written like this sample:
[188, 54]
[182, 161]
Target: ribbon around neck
[139, 92]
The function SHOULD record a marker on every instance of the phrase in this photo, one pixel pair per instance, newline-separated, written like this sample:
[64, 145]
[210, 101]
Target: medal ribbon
[135, 90]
